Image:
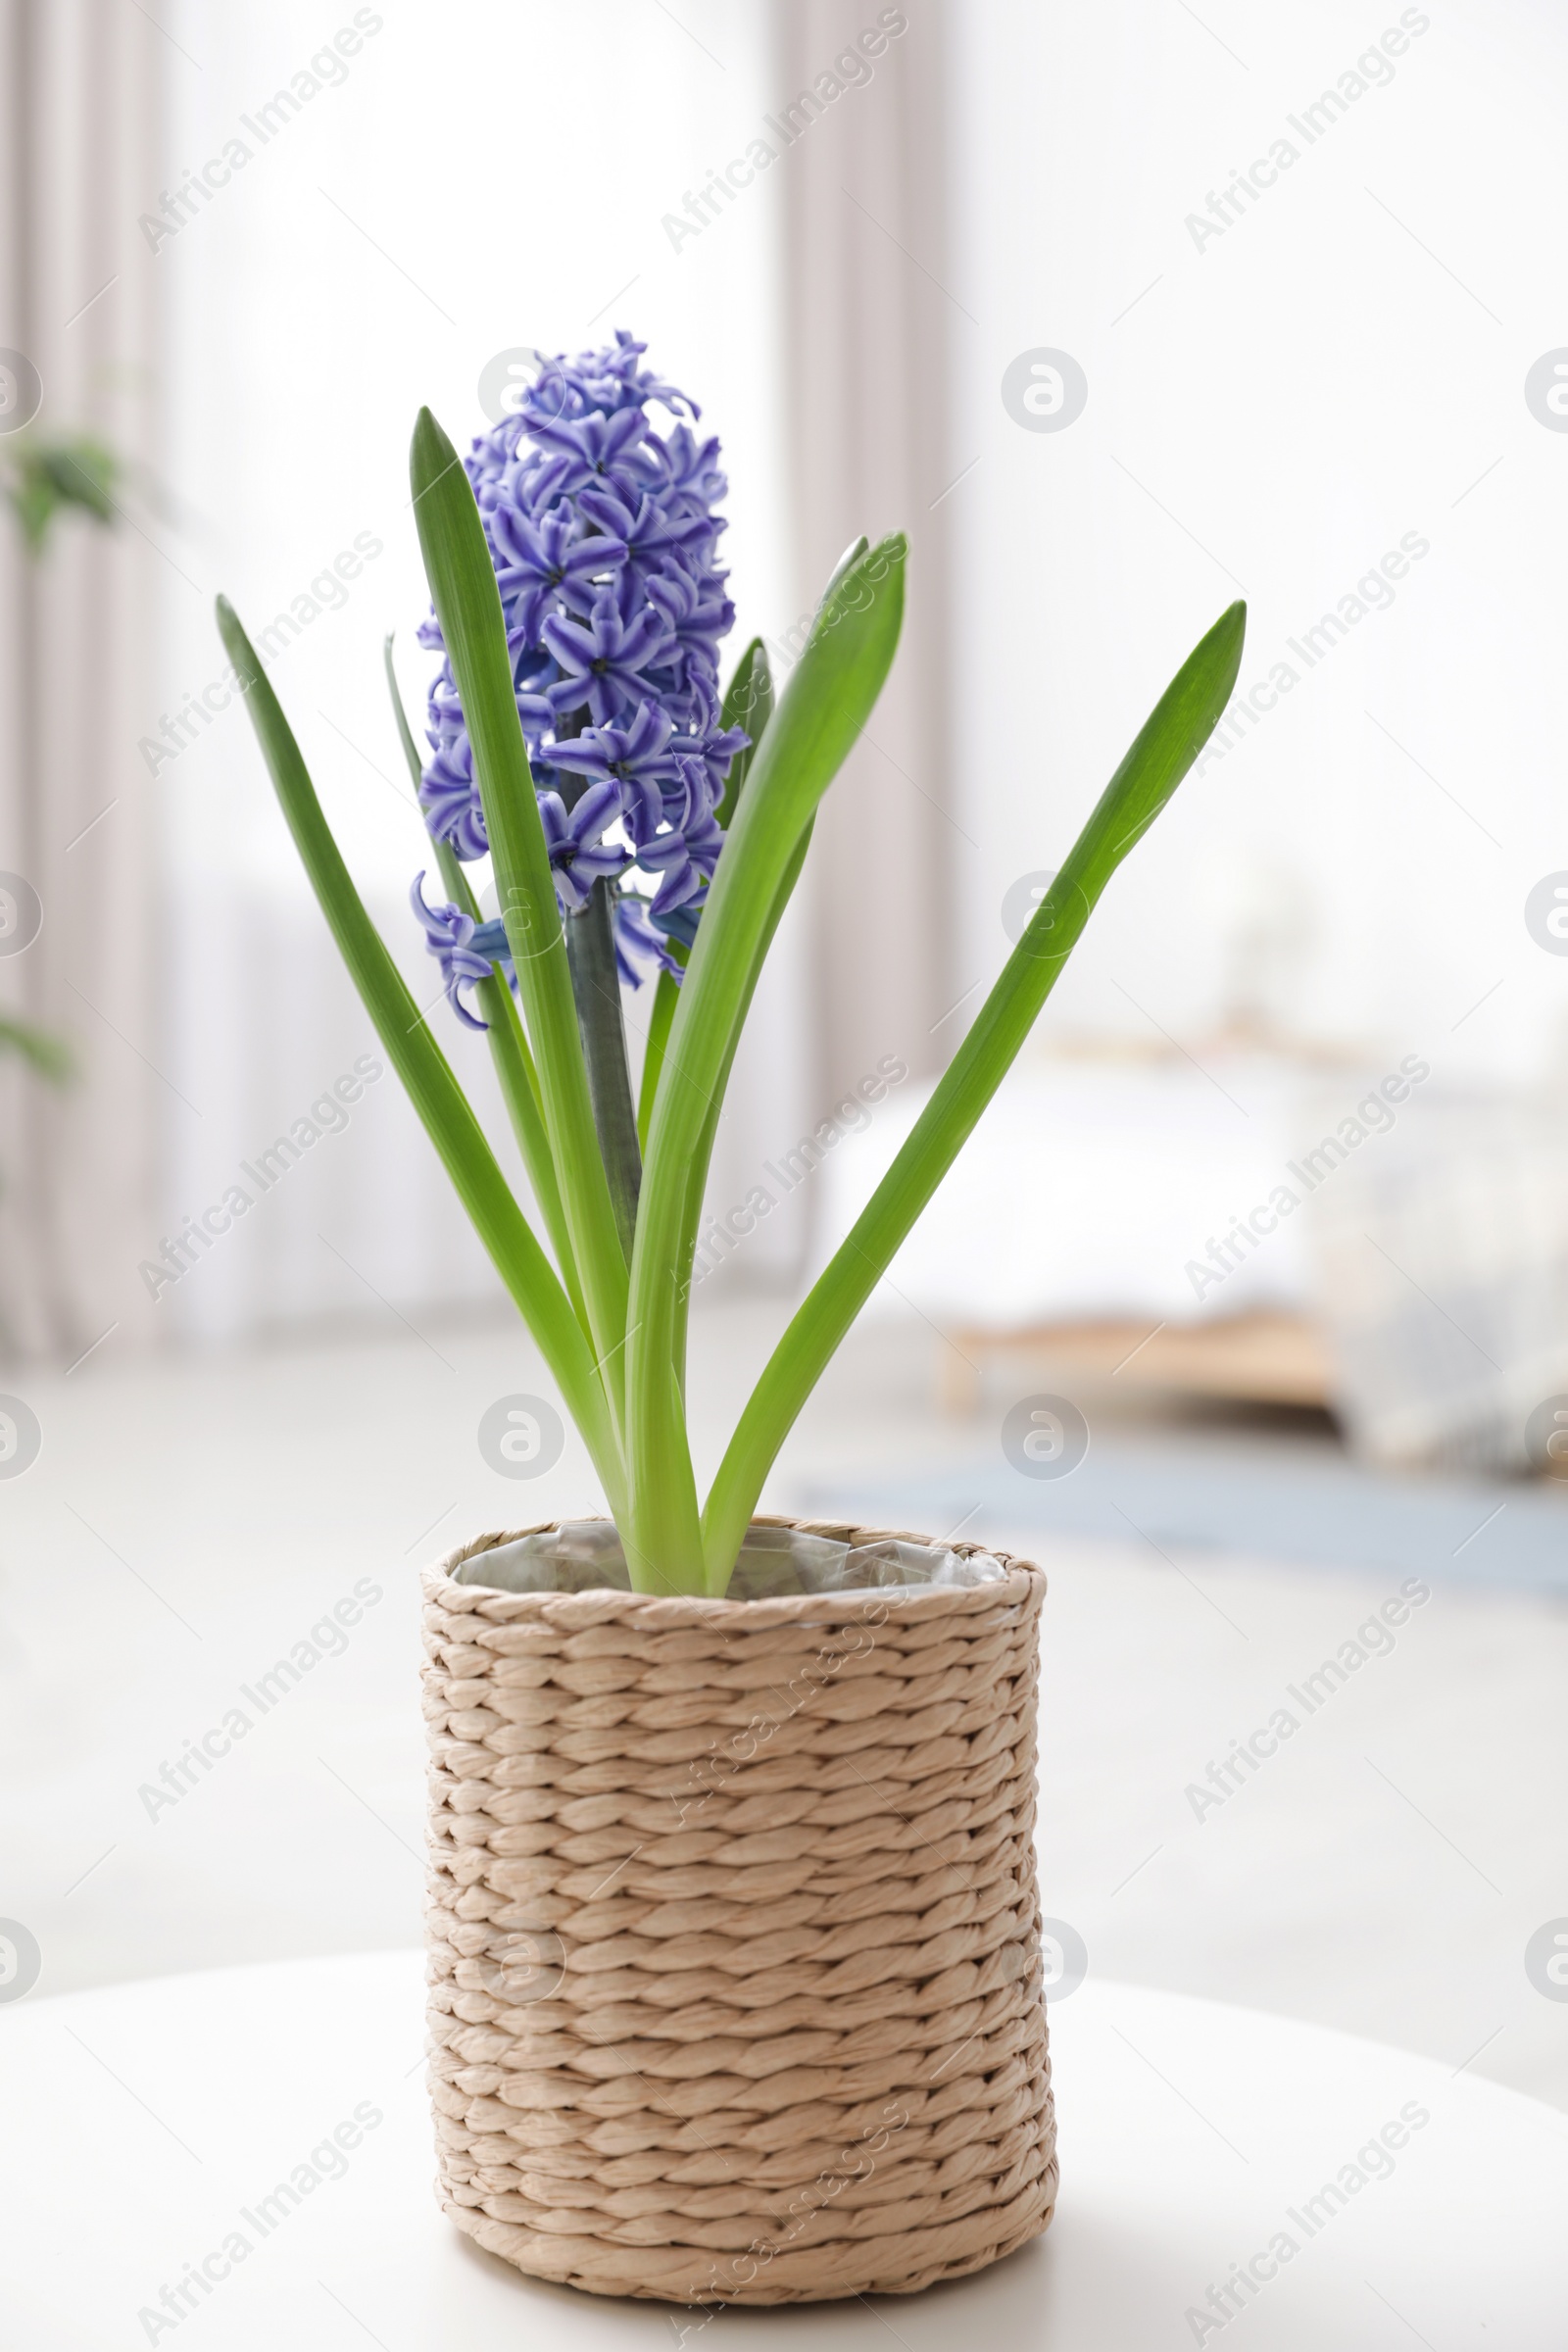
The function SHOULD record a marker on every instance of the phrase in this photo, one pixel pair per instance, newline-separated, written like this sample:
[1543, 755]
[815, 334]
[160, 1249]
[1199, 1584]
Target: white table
[144, 2123]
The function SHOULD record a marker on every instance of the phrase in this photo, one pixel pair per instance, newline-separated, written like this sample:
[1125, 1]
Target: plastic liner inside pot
[584, 1555]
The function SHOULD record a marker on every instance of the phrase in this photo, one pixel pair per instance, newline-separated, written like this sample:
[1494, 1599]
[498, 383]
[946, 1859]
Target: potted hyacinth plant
[736, 1989]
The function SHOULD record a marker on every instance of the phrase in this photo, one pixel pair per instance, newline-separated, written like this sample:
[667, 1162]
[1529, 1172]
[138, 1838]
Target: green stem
[595, 987]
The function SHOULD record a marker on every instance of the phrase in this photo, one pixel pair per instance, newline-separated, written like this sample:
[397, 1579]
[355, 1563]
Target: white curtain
[312, 292]
[80, 117]
[870, 311]
[322, 296]
[1288, 382]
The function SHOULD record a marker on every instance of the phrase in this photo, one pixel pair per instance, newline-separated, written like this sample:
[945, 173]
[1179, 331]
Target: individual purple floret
[638, 943]
[603, 660]
[635, 758]
[458, 945]
[578, 857]
[687, 851]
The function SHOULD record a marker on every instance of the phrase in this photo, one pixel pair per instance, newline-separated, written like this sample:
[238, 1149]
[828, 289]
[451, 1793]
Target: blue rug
[1200, 1491]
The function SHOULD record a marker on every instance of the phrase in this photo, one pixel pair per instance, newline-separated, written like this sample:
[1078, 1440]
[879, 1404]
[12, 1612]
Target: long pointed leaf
[467, 603]
[749, 703]
[820, 714]
[507, 1040]
[666, 995]
[703, 1156]
[1171, 738]
[434, 1092]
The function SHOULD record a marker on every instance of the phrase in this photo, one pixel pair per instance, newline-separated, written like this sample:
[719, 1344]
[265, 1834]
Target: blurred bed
[1252, 1224]
[1090, 1211]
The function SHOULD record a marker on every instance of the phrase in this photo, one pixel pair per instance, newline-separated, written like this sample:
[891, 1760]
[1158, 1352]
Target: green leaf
[821, 712]
[1170, 741]
[666, 995]
[467, 603]
[749, 703]
[703, 1156]
[507, 1037]
[43, 477]
[49, 1055]
[434, 1092]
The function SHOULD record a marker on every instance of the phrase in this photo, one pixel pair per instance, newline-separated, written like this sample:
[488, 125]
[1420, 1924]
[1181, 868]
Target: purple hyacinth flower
[600, 382]
[637, 943]
[538, 561]
[616, 365]
[446, 710]
[604, 534]
[697, 613]
[578, 857]
[634, 757]
[689, 468]
[448, 935]
[715, 746]
[596, 452]
[533, 486]
[681, 923]
[602, 656]
[450, 799]
[688, 853]
[650, 533]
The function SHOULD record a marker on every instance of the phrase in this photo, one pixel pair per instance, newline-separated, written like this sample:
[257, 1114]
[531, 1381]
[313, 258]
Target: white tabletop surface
[145, 2123]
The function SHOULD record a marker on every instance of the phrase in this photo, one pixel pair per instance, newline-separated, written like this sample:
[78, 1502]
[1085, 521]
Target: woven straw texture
[735, 1973]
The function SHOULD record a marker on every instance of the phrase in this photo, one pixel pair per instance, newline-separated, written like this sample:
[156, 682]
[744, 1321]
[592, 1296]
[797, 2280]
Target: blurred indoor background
[1121, 313]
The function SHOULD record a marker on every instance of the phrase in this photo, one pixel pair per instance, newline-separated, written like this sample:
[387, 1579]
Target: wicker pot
[735, 1973]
